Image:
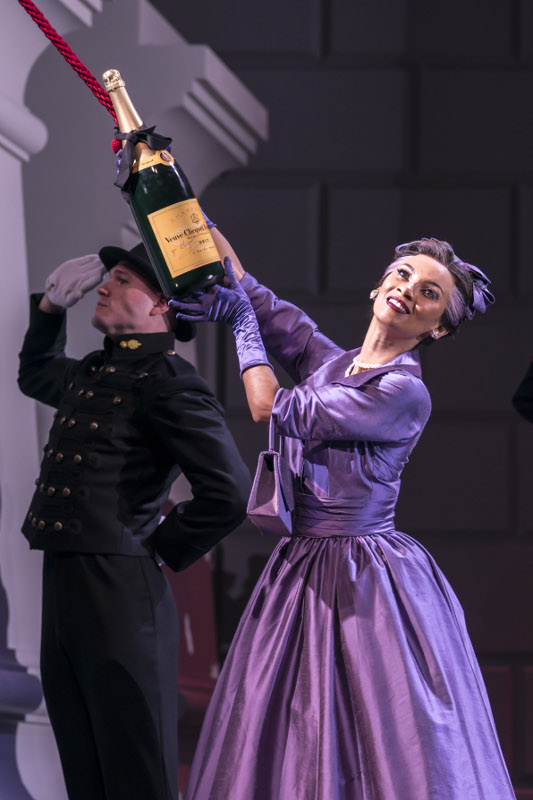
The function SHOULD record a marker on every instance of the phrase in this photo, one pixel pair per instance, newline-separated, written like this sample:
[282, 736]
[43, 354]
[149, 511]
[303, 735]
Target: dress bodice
[347, 438]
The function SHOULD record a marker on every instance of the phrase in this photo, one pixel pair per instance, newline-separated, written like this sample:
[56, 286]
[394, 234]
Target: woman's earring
[373, 294]
[435, 334]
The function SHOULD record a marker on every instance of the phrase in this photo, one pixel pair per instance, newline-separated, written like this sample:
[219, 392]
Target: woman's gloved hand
[71, 280]
[229, 304]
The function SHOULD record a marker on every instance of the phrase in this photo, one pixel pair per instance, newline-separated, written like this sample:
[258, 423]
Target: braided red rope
[70, 56]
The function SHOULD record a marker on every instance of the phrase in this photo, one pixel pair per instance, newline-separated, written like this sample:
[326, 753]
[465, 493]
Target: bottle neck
[127, 117]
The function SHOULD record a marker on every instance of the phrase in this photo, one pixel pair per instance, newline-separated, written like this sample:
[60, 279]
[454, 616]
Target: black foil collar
[147, 135]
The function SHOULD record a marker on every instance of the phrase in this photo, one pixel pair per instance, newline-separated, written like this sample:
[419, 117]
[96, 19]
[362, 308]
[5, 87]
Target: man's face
[126, 304]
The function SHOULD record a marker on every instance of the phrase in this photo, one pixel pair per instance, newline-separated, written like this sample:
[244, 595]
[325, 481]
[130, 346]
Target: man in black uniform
[130, 418]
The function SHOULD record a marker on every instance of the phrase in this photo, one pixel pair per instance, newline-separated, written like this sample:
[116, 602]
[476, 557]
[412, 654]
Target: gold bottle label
[183, 236]
[151, 159]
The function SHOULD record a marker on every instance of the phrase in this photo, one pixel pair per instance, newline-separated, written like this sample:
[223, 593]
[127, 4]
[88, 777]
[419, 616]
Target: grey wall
[391, 120]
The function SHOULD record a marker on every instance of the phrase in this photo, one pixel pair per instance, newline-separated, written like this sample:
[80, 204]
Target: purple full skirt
[351, 677]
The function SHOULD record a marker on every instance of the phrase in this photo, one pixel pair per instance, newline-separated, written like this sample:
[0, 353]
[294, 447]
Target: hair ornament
[482, 297]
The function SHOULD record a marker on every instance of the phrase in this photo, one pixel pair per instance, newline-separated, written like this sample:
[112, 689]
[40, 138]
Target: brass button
[117, 400]
[94, 369]
[81, 391]
[51, 491]
[62, 420]
[58, 526]
[41, 524]
[110, 369]
[123, 344]
[77, 459]
[171, 352]
[71, 423]
[94, 426]
[66, 492]
[59, 458]
[89, 395]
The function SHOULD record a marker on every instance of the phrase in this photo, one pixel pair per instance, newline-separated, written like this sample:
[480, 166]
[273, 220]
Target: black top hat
[138, 261]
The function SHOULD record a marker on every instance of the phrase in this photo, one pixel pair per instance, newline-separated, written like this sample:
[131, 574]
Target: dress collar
[138, 345]
[410, 360]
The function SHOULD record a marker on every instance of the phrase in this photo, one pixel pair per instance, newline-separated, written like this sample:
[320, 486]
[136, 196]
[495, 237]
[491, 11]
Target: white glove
[71, 280]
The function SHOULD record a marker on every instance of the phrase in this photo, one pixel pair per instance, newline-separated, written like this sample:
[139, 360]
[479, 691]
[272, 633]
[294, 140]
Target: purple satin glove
[228, 304]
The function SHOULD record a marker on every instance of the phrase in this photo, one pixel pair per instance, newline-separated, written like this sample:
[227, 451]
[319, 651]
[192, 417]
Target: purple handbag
[271, 500]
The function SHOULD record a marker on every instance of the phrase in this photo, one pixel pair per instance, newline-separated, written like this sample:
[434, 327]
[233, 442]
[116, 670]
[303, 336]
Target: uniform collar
[138, 345]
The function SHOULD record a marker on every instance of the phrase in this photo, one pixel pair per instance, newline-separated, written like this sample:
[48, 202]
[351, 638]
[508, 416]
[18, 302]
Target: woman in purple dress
[351, 675]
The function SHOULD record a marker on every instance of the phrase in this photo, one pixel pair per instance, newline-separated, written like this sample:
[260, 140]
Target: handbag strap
[271, 434]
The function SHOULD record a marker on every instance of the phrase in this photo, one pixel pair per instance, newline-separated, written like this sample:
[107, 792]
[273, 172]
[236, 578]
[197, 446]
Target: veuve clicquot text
[170, 221]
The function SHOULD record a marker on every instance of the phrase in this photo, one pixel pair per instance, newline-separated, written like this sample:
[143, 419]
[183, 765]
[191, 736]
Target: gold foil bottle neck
[112, 80]
[128, 119]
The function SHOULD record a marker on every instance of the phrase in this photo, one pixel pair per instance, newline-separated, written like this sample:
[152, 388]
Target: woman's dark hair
[461, 297]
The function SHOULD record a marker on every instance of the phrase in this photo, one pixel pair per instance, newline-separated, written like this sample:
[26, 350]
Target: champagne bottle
[170, 221]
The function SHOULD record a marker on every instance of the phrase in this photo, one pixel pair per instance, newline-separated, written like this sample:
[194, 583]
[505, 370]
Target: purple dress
[351, 675]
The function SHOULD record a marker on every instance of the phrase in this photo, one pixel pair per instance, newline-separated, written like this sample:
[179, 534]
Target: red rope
[70, 56]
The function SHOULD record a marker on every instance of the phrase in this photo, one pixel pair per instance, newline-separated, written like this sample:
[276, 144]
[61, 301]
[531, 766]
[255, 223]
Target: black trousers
[109, 654]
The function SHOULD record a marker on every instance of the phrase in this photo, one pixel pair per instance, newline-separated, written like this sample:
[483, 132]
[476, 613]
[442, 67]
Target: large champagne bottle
[167, 213]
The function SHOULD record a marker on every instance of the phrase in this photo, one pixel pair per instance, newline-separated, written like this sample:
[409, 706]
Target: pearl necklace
[357, 363]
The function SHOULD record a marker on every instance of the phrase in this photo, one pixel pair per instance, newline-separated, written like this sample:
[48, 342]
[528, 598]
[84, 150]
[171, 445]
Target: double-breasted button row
[117, 400]
[93, 426]
[59, 457]
[70, 423]
[51, 490]
[41, 524]
[77, 458]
